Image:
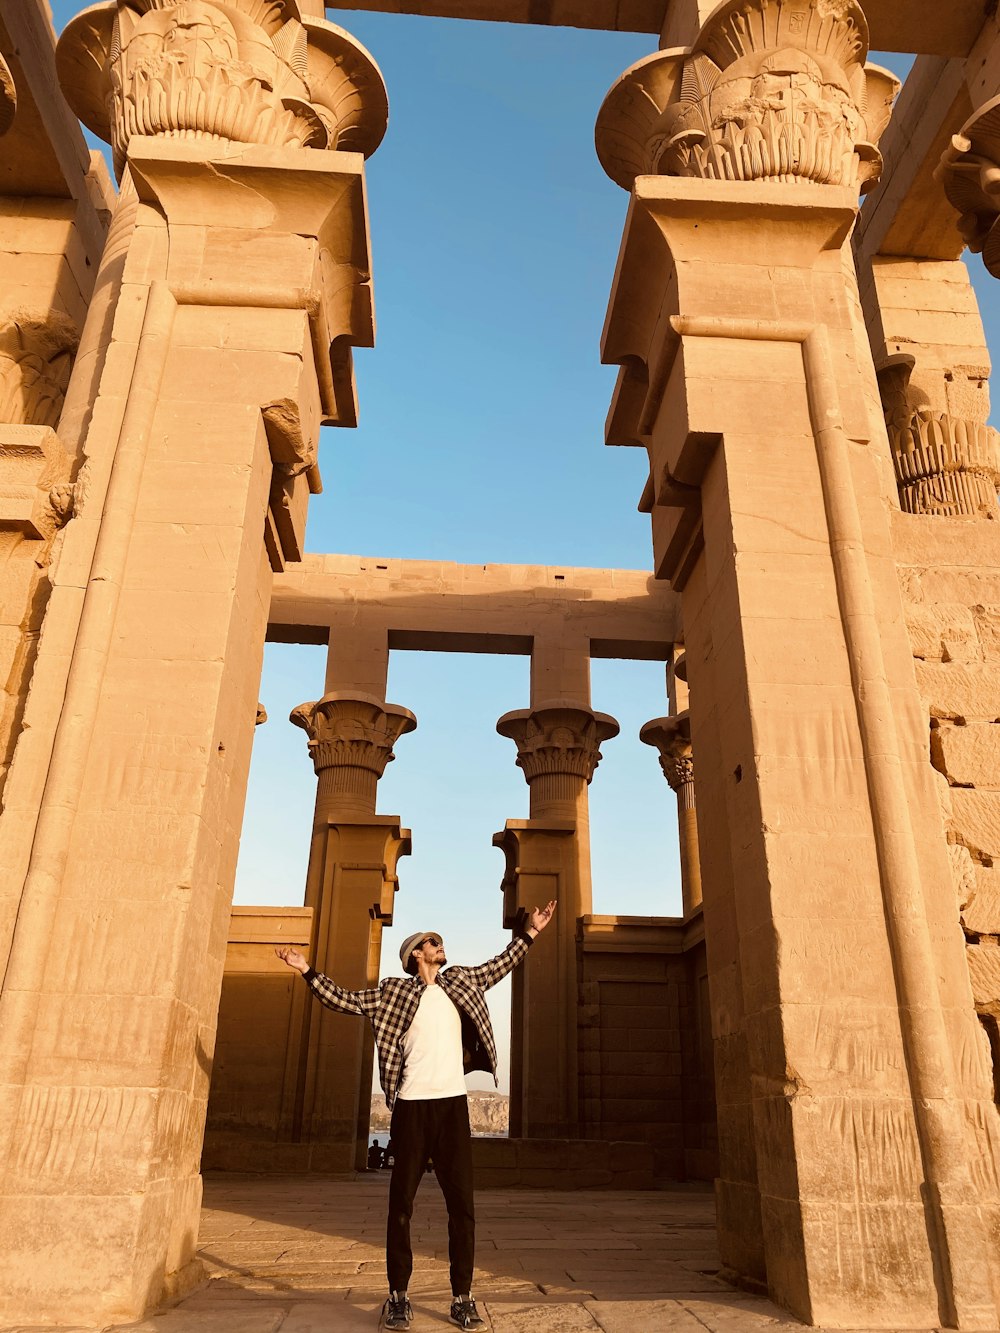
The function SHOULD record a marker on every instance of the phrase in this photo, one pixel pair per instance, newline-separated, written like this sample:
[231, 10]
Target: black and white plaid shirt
[391, 1005]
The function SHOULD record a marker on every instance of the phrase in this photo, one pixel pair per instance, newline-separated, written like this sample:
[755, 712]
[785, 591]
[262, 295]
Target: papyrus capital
[771, 90]
[561, 739]
[247, 71]
[352, 731]
[671, 737]
[970, 174]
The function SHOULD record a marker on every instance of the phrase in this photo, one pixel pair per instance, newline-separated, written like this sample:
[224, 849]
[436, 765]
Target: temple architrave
[802, 359]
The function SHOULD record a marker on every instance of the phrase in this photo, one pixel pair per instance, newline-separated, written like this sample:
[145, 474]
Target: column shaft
[350, 885]
[548, 856]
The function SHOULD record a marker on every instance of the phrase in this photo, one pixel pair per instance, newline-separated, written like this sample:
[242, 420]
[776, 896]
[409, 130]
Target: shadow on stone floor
[305, 1254]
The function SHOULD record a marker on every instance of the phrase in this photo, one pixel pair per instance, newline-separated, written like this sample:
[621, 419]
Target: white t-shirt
[432, 1050]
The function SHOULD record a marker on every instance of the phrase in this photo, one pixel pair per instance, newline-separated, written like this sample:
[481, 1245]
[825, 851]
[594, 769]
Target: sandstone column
[672, 738]
[235, 281]
[350, 886]
[548, 856]
[857, 1129]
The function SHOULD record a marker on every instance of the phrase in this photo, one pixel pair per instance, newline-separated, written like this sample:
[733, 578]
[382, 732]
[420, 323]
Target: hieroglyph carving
[352, 731]
[772, 90]
[247, 71]
[36, 357]
[8, 97]
[945, 465]
[561, 739]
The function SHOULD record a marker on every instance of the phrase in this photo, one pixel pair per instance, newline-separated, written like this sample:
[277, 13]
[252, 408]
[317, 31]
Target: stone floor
[305, 1255]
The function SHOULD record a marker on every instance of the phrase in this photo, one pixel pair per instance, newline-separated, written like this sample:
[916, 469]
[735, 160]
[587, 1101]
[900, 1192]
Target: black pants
[438, 1131]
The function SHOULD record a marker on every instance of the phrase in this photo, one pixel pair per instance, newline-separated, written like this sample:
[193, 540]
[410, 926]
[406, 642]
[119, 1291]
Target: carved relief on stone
[945, 465]
[33, 500]
[246, 71]
[8, 97]
[558, 738]
[36, 357]
[352, 731]
[772, 90]
[969, 171]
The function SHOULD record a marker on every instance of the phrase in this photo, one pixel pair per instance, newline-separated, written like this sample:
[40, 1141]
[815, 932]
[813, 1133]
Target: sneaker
[464, 1313]
[397, 1311]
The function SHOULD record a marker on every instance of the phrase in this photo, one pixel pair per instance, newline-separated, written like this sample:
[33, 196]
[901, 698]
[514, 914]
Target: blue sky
[494, 235]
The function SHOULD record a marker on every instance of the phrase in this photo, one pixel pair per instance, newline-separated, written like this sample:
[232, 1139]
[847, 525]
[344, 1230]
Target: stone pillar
[548, 856]
[235, 281]
[672, 738]
[842, 1019]
[350, 885]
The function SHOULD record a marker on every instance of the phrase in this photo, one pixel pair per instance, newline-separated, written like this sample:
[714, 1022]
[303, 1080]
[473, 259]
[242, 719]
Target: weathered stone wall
[55, 202]
[645, 1040]
[950, 575]
[249, 1086]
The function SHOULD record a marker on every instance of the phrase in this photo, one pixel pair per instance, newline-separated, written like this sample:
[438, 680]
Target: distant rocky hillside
[488, 1112]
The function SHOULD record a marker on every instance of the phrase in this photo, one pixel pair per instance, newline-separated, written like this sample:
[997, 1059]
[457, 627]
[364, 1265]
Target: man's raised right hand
[293, 957]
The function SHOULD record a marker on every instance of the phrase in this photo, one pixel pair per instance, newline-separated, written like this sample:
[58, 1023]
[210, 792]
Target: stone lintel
[907, 213]
[442, 606]
[44, 151]
[640, 934]
[924, 26]
[251, 923]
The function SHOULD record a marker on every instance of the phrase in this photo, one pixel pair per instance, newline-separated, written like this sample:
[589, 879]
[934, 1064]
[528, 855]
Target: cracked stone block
[943, 632]
[987, 622]
[981, 911]
[968, 756]
[969, 691]
[963, 870]
[984, 968]
[976, 819]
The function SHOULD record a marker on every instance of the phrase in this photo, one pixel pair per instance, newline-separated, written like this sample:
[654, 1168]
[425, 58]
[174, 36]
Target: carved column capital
[969, 172]
[248, 71]
[8, 97]
[671, 737]
[556, 742]
[945, 464]
[771, 90]
[351, 739]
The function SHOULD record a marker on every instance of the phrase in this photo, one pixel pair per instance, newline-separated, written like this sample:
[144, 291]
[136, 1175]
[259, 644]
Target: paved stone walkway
[305, 1255]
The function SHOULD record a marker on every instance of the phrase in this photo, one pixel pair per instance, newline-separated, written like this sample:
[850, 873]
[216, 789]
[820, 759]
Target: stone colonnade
[560, 619]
